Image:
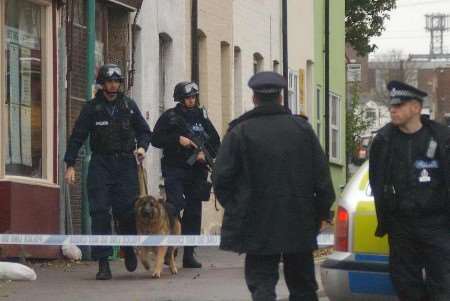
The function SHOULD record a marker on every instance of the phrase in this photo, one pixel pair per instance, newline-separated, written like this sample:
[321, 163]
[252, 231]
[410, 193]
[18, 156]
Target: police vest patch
[102, 123]
[421, 164]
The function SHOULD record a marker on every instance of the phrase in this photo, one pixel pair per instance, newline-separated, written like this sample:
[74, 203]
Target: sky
[405, 31]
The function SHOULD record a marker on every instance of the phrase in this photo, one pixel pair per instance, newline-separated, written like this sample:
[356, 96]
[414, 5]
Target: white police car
[358, 268]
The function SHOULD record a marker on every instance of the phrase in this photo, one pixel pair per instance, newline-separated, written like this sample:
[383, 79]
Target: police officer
[273, 180]
[186, 184]
[118, 133]
[409, 176]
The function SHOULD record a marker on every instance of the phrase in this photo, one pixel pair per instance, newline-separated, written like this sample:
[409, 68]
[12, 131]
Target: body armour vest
[113, 132]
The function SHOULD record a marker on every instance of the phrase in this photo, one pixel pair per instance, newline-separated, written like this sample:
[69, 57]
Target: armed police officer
[273, 180]
[409, 175]
[189, 142]
[118, 135]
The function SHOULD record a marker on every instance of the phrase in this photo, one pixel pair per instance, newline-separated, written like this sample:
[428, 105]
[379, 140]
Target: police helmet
[184, 90]
[109, 72]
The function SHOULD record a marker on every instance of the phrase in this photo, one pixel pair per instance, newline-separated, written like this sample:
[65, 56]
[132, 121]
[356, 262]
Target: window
[371, 115]
[237, 82]
[165, 46]
[276, 66]
[203, 67]
[100, 15]
[318, 113]
[23, 89]
[27, 107]
[335, 128]
[79, 9]
[225, 64]
[293, 91]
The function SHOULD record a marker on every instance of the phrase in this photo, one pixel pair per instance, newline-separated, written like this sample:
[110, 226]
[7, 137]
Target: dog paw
[174, 271]
[156, 275]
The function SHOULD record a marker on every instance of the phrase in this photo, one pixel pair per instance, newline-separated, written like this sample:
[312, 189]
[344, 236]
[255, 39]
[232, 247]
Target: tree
[388, 66]
[356, 124]
[365, 19]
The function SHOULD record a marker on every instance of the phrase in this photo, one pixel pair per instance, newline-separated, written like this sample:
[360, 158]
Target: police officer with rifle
[189, 142]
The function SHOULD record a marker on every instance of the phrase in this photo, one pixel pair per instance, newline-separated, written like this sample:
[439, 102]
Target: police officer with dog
[410, 179]
[272, 177]
[118, 135]
[189, 142]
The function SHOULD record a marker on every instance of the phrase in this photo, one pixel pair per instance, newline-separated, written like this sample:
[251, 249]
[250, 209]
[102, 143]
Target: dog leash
[142, 175]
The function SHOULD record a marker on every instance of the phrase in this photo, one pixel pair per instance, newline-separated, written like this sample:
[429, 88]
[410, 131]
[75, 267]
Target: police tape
[323, 240]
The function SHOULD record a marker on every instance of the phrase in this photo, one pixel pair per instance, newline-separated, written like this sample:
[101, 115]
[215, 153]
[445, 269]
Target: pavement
[221, 279]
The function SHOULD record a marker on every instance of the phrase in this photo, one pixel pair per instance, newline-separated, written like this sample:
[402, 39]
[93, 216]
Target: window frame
[47, 87]
[318, 99]
[293, 91]
[337, 127]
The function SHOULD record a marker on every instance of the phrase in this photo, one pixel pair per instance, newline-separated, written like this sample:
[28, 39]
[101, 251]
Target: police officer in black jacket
[118, 135]
[186, 185]
[272, 177]
[409, 175]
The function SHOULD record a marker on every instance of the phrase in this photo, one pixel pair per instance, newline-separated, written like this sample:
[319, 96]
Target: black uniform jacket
[168, 130]
[121, 130]
[273, 180]
[380, 167]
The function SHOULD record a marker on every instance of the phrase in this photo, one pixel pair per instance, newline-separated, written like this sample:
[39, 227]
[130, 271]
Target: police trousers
[419, 258]
[183, 188]
[112, 187]
[261, 275]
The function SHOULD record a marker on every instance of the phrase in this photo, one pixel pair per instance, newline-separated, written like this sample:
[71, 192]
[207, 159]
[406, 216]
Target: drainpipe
[61, 125]
[90, 67]
[195, 68]
[285, 51]
[327, 78]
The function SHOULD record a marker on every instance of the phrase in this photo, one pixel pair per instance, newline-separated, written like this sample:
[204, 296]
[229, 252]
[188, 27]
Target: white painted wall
[301, 44]
[171, 17]
[257, 29]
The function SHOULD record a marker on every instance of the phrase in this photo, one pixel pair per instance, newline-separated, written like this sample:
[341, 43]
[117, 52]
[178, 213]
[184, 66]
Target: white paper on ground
[71, 252]
[16, 271]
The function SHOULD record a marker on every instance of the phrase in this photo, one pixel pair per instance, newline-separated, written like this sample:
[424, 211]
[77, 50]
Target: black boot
[130, 259]
[189, 260]
[104, 272]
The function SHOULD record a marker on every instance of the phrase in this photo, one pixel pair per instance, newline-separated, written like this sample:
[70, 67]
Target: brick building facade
[113, 45]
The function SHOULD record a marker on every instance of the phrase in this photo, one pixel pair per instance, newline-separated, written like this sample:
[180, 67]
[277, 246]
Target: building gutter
[285, 51]
[195, 67]
[327, 78]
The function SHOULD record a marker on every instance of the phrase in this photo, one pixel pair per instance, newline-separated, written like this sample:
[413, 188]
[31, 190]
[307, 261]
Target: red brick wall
[29, 209]
[442, 93]
[117, 52]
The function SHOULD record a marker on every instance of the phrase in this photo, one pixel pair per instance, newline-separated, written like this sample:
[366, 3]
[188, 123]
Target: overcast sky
[405, 30]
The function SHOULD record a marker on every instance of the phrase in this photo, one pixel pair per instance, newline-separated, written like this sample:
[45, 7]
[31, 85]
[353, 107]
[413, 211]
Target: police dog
[153, 218]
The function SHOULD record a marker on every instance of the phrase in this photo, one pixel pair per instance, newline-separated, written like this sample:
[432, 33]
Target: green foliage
[356, 123]
[365, 19]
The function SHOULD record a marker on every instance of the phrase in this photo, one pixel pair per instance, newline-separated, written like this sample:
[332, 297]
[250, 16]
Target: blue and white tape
[126, 240]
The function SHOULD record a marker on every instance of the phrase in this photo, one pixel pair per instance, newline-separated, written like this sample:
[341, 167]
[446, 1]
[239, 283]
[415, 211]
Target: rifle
[199, 139]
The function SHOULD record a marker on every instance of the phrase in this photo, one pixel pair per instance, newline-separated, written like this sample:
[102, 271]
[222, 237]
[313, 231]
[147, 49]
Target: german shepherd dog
[153, 218]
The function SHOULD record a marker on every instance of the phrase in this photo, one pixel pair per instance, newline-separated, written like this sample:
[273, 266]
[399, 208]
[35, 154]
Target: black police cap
[401, 92]
[267, 82]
